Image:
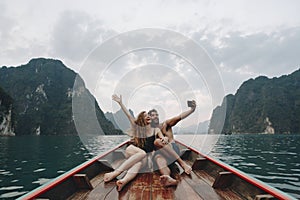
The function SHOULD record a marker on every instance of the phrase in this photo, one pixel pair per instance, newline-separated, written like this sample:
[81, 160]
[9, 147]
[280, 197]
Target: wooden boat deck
[198, 185]
[210, 179]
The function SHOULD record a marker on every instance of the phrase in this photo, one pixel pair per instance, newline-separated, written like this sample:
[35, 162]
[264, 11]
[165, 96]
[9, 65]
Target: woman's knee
[142, 153]
[139, 164]
[131, 149]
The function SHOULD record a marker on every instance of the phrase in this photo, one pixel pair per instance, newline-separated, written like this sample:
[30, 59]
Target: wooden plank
[65, 189]
[244, 188]
[82, 182]
[97, 180]
[205, 176]
[228, 194]
[185, 191]
[80, 195]
[160, 192]
[204, 190]
[102, 191]
[223, 180]
[138, 188]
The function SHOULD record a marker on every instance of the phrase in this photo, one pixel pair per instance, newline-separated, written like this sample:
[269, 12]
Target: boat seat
[82, 182]
[105, 165]
[185, 153]
[223, 180]
[199, 163]
[118, 154]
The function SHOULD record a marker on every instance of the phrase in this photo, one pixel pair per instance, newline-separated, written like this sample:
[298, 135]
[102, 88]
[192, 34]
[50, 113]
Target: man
[167, 146]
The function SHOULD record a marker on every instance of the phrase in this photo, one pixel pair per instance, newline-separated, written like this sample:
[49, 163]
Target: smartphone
[190, 103]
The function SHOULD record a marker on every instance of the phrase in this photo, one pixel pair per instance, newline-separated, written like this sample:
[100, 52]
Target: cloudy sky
[243, 39]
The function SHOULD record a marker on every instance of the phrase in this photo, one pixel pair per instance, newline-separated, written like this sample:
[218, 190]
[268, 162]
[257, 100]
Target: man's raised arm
[173, 121]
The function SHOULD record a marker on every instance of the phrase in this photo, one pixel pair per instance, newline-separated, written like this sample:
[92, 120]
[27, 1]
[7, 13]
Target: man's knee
[160, 160]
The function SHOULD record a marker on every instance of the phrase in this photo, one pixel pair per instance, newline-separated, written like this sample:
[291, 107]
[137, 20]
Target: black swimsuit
[149, 144]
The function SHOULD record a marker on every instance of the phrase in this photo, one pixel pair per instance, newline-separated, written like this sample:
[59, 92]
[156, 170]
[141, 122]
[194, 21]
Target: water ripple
[39, 170]
[41, 181]
[12, 194]
[11, 188]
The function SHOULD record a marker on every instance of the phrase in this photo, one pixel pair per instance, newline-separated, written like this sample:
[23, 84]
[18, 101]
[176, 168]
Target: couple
[149, 135]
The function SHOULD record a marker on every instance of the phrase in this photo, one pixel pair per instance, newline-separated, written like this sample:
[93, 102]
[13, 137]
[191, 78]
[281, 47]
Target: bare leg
[162, 165]
[165, 178]
[131, 174]
[167, 150]
[135, 155]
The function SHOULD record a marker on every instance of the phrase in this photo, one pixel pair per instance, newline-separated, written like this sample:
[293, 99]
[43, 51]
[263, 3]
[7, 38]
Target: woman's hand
[165, 140]
[117, 99]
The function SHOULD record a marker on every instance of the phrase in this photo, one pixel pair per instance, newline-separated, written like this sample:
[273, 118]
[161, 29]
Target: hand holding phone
[190, 103]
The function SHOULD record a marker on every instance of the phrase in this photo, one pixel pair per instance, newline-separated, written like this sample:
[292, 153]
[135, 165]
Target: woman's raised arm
[118, 99]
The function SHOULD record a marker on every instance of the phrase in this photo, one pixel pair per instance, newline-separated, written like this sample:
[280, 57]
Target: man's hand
[165, 140]
[193, 107]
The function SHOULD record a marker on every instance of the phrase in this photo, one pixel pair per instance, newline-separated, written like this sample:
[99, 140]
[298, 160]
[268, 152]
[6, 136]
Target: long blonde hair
[140, 132]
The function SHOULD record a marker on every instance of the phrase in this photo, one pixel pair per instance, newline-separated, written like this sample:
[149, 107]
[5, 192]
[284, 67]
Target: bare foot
[120, 185]
[110, 176]
[167, 180]
[187, 169]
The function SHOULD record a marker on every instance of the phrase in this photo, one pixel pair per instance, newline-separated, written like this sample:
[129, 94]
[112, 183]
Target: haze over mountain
[119, 119]
[201, 128]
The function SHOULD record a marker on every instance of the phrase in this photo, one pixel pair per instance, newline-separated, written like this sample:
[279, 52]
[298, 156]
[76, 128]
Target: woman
[142, 143]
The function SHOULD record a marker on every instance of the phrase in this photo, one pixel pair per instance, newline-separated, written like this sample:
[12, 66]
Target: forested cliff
[262, 105]
[41, 92]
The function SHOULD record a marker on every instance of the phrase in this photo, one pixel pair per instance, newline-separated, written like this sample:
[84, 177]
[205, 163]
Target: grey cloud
[7, 24]
[16, 48]
[243, 56]
[75, 34]
[264, 53]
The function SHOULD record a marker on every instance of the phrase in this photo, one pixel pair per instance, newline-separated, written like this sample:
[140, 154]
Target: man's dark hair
[150, 111]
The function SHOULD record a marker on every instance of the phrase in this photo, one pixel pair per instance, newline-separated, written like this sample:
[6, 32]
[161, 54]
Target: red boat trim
[44, 188]
[269, 189]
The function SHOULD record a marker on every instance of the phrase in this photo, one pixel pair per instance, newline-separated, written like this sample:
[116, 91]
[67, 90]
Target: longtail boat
[210, 179]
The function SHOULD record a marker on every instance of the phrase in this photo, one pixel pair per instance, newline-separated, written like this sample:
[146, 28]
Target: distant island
[261, 105]
[36, 99]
